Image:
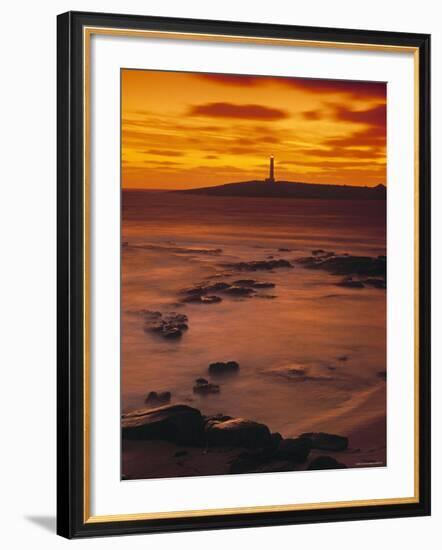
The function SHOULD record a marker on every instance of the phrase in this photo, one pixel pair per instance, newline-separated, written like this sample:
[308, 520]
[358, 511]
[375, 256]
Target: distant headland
[269, 187]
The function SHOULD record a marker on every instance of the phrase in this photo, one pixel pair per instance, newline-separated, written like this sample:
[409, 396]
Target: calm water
[311, 321]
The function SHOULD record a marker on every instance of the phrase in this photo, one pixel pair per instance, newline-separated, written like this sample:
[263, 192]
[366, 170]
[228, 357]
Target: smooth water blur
[311, 321]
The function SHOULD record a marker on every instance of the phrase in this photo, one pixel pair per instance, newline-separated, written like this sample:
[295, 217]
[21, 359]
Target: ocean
[306, 324]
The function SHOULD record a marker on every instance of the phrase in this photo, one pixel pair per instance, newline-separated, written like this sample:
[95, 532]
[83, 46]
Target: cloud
[357, 89]
[164, 152]
[374, 136]
[232, 110]
[162, 163]
[312, 115]
[267, 139]
[211, 157]
[231, 79]
[241, 150]
[344, 153]
[376, 116]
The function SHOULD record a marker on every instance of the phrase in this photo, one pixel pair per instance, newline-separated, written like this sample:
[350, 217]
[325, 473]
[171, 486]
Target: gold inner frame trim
[87, 34]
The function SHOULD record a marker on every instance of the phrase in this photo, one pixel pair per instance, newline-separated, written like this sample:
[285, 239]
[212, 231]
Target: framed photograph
[243, 274]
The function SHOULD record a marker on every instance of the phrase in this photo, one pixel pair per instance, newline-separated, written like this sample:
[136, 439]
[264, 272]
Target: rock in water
[345, 264]
[220, 368]
[178, 423]
[158, 398]
[377, 283]
[239, 291]
[296, 450]
[326, 442]
[201, 299]
[237, 432]
[349, 282]
[203, 387]
[258, 265]
[325, 463]
[170, 325]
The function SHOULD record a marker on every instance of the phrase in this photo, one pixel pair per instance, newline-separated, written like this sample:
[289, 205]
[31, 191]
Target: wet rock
[376, 283]
[275, 440]
[244, 282]
[171, 332]
[325, 463]
[203, 387]
[158, 398]
[347, 264]
[197, 299]
[323, 253]
[220, 368]
[325, 441]
[258, 265]
[253, 284]
[216, 287]
[237, 432]
[200, 294]
[348, 282]
[264, 284]
[170, 325]
[295, 450]
[216, 418]
[178, 423]
[239, 291]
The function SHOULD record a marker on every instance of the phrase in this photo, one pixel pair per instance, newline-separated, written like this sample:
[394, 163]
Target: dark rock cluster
[168, 325]
[326, 442]
[203, 293]
[262, 450]
[158, 398]
[181, 424]
[369, 271]
[220, 368]
[204, 387]
[259, 265]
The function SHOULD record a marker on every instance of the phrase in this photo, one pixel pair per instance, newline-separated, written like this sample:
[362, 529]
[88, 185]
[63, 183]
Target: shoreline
[155, 458]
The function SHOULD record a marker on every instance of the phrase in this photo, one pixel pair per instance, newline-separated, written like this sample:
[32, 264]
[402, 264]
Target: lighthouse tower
[271, 178]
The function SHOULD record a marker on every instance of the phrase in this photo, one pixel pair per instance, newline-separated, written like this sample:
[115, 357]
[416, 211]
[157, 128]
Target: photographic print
[223, 353]
[253, 274]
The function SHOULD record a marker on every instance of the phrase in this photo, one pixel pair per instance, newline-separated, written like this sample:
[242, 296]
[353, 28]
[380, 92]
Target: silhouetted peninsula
[291, 190]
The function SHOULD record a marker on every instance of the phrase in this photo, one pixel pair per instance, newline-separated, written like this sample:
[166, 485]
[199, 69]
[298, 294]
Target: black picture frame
[71, 520]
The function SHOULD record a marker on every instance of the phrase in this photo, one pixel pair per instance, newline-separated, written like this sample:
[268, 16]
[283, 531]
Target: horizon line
[124, 188]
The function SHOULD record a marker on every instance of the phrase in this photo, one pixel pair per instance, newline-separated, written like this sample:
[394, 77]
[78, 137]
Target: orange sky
[182, 130]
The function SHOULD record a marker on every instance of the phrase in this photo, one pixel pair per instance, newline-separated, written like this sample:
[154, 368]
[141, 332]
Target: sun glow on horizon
[185, 130]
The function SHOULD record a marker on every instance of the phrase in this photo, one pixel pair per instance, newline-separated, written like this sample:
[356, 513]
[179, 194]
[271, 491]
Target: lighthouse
[271, 178]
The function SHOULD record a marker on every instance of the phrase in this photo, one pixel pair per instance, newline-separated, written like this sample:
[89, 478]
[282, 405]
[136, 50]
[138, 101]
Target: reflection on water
[175, 241]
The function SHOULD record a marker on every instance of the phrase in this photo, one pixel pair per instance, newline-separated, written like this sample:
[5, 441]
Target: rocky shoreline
[173, 440]
[245, 446]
